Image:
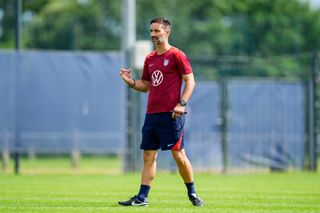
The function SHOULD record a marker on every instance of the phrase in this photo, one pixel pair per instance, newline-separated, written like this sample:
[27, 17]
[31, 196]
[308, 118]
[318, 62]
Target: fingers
[124, 71]
[176, 114]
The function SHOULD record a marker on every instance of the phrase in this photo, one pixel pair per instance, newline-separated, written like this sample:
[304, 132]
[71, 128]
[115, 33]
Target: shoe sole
[135, 204]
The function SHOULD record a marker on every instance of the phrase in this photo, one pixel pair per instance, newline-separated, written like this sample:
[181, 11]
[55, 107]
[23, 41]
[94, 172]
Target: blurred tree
[222, 36]
[227, 27]
[275, 27]
[217, 33]
[214, 27]
[6, 24]
[7, 18]
[311, 31]
[196, 24]
[76, 24]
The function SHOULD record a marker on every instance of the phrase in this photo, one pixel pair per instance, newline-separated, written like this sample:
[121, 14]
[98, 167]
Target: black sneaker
[134, 201]
[195, 200]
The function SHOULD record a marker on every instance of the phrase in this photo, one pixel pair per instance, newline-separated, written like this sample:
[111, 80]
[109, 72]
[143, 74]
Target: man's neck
[162, 48]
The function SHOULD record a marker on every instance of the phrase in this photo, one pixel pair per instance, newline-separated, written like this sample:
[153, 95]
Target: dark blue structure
[62, 101]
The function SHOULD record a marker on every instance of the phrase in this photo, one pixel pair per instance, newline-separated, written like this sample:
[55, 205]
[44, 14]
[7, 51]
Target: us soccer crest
[166, 62]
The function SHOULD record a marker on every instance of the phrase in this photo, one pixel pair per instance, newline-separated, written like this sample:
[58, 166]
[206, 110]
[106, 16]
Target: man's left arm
[187, 92]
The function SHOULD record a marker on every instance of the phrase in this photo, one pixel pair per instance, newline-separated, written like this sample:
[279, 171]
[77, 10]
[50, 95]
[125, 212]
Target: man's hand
[178, 111]
[126, 76]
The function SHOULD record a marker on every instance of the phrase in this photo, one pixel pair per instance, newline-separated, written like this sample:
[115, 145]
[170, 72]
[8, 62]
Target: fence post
[224, 123]
[75, 152]
[312, 113]
[18, 25]
[132, 153]
[5, 156]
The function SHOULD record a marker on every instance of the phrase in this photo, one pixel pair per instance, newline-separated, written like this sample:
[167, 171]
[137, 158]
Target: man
[163, 72]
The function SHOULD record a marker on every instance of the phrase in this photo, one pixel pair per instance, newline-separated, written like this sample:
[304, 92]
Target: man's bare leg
[186, 172]
[184, 165]
[149, 167]
[147, 175]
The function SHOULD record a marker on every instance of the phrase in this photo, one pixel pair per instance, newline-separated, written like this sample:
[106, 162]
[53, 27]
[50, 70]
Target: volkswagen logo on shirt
[157, 78]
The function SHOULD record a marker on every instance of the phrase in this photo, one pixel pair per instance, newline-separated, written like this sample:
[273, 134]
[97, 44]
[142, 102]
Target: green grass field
[44, 190]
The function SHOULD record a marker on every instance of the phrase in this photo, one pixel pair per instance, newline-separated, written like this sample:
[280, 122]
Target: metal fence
[55, 102]
[264, 126]
[59, 102]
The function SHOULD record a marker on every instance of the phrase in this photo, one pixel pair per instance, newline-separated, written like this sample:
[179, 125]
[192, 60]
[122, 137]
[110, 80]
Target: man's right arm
[140, 85]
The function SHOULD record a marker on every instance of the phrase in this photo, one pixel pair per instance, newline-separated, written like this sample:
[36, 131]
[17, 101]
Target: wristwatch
[183, 102]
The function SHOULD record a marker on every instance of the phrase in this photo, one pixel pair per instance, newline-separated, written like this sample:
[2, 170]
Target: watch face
[183, 103]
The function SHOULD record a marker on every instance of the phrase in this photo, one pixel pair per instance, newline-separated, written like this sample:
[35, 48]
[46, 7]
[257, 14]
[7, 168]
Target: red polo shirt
[165, 75]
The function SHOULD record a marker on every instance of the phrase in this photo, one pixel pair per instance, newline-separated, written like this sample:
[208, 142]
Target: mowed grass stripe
[283, 192]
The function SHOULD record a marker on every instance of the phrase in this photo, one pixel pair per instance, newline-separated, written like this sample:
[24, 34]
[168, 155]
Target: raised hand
[126, 75]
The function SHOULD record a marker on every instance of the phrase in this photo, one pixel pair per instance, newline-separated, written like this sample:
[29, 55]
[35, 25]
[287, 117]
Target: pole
[224, 122]
[312, 114]
[128, 46]
[18, 11]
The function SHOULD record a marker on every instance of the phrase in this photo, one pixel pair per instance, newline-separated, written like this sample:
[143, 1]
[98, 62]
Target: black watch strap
[182, 102]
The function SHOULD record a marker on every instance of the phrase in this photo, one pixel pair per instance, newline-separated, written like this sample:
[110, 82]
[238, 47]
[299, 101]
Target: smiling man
[163, 73]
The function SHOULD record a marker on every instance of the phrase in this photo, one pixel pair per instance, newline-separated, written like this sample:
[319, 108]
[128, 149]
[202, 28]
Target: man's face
[158, 33]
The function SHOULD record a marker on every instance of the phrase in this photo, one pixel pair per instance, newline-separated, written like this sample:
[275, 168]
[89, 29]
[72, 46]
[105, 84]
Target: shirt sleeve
[145, 74]
[183, 62]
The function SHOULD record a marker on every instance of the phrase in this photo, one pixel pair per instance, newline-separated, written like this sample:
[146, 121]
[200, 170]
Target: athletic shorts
[160, 131]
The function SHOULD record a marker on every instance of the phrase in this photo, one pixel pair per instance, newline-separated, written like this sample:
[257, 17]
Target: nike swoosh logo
[170, 144]
[150, 65]
[138, 204]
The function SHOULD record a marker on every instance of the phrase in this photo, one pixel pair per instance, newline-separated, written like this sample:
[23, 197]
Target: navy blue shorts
[160, 131]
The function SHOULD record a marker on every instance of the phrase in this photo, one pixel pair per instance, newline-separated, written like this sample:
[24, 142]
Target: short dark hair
[161, 20]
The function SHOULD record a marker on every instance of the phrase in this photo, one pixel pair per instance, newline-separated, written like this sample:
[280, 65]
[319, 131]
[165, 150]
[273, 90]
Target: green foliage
[209, 29]
[59, 24]
[6, 24]
[7, 18]
[246, 27]
[75, 25]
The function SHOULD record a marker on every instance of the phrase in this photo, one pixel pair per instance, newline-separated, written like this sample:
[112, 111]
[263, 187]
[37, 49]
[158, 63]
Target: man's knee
[149, 157]
[179, 155]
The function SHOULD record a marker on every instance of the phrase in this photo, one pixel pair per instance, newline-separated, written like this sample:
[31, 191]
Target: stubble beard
[157, 40]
